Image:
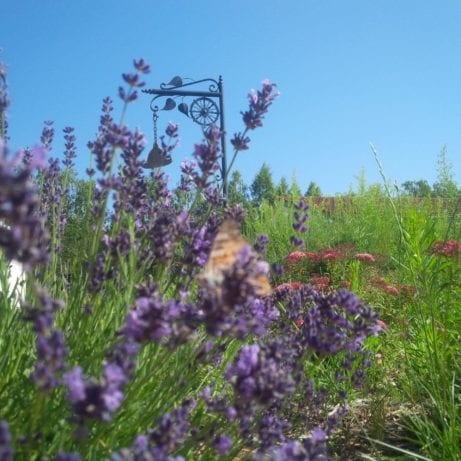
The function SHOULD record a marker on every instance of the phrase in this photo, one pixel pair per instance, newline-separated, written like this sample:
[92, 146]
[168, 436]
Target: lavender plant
[132, 358]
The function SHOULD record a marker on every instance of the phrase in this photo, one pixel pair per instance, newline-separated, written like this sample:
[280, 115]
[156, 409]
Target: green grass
[413, 389]
[410, 400]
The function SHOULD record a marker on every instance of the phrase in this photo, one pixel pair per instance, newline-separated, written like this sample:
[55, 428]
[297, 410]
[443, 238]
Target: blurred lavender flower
[154, 319]
[172, 130]
[271, 429]
[91, 399]
[207, 155]
[189, 173]
[6, 447]
[51, 349]
[99, 272]
[69, 153]
[259, 375]
[109, 137]
[47, 135]
[24, 238]
[132, 192]
[259, 104]
[213, 197]
[67, 457]
[312, 448]
[261, 244]
[134, 81]
[253, 117]
[141, 66]
[222, 444]
[51, 193]
[336, 322]
[240, 142]
[4, 102]
[106, 118]
[172, 429]
[300, 216]
[52, 201]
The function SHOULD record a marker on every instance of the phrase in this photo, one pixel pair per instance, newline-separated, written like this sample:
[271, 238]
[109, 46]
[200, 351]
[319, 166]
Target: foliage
[420, 188]
[282, 188]
[446, 185]
[237, 190]
[262, 187]
[313, 190]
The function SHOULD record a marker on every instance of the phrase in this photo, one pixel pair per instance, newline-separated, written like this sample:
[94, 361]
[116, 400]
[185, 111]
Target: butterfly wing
[228, 243]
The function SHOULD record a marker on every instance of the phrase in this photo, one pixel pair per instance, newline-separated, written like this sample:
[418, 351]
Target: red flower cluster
[390, 289]
[324, 254]
[295, 256]
[365, 257]
[327, 254]
[320, 283]
[320, 280]
[448, 248]
[288, 286]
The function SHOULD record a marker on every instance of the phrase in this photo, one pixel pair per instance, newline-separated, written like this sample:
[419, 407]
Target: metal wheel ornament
[204, 111]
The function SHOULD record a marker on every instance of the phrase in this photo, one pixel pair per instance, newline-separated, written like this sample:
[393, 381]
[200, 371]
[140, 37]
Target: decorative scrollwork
[204, 111]
[177, 82]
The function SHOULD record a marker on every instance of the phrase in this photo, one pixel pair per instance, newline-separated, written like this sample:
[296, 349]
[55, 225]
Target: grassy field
[411, 399]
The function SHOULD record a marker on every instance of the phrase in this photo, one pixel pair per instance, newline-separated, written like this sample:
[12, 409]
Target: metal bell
[157, 158]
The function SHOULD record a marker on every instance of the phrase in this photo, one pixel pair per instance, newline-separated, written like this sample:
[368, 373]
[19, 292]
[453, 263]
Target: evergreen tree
[313, 190]
[295, 190]
[237, 190]
[282, 189]
[445, 186]
[262, 187]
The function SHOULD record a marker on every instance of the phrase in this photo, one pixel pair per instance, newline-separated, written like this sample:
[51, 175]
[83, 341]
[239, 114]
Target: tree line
[264, 188]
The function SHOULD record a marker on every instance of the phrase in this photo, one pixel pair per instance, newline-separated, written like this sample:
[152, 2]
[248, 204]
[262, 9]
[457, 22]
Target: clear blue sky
[350, 72]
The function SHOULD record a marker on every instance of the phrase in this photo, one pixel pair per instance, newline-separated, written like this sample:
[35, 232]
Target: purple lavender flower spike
[127, 97]
[6, 447]
[25, 238]
[4, 102]
[69, 153]
[258, 375]
[240, 142]
[133, 80]
[141, 66]
[172, 130]
[312, 448]
[47, 134]
[67, 457]
[222, 444]
[106, 119]
[259, 104]
[261, 244]
[300, 216]
[172, 428]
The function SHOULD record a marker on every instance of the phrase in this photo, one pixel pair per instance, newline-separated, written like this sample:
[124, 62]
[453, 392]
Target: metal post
[223, 138]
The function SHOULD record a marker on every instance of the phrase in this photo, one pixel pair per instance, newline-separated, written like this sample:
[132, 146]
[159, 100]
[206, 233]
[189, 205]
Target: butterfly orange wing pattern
[226, 246]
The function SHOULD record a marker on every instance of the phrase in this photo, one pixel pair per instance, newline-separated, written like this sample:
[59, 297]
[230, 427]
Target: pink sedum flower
[365, 257]
[294, 257]
[391, 290]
